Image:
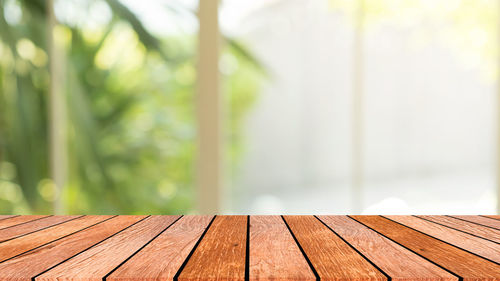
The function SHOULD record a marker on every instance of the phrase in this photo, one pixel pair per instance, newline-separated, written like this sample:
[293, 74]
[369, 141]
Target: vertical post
[357, 111]
[209, 166]
[56, 111]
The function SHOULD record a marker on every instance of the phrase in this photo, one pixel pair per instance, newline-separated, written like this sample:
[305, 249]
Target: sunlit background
[264, 107]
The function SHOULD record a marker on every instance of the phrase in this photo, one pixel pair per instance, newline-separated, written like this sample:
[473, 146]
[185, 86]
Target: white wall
[429, 119]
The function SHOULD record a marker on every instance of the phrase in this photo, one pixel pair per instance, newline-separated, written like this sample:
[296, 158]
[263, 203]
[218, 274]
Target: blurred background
[249, 107]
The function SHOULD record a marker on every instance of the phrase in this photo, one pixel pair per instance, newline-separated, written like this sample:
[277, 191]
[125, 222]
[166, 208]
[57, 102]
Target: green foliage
[130, 111]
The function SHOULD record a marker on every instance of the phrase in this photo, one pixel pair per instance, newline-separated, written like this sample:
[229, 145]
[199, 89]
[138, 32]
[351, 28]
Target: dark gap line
[463, 231]
[142, 247]
[9, 217]
[389, 278]
[492, 227]
[302, 250]
[45, 244]
[49, 226]
[97, 243]
[247, 254]
[460, 278]
[25, 222]
[176, 276]
[490, 217]
[465, 250]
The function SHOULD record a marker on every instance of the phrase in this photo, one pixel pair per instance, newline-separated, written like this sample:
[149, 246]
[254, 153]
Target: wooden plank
[462, 263]
[485, 221]
[274, 254]
[394, 260]
[18, 220]
[30, 227]
[468, 227]
[494, 217]
[25, 243]
[332, 258]
[53, 253]
[3, 217]
[97, 262]
[221, 252]
[161, 259]
[463, 240]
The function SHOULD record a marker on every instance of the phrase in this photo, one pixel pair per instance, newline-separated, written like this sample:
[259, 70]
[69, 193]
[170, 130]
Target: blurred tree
[130, 108]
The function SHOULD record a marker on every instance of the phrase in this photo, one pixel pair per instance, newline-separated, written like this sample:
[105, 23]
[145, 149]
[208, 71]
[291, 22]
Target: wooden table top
[128, 248]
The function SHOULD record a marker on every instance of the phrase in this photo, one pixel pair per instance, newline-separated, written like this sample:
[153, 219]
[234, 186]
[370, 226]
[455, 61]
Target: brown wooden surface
[481, 220]
[30, 241]
[97, 262]
[2, 217]
[465, 226]
[18, 220]
[482, 247]
[332, 258]
[383, 252]
[32, 226]
[58, 251]
[460, 262]
[221, 253]
[160, 248]
[494, 217]
[269, 234]
[162, 258]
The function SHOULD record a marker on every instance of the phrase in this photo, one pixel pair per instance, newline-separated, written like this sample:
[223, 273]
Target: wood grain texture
[396, 261]
[47, 256]
[3, 217]
[485, 221]
[468, 227]
[161, 259]
[463, 240]
[32, 226]
[461, 263]
[18, 220]
[221, 252]
[25, 243]
[269, 234]
[495, 217]
[160, 248]
[97, 262]
[332, 258]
